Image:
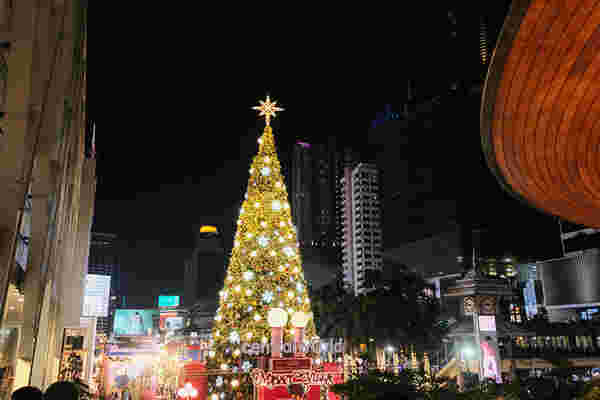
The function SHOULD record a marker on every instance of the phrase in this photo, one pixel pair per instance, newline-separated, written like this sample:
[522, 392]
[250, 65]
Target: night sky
[171, 91]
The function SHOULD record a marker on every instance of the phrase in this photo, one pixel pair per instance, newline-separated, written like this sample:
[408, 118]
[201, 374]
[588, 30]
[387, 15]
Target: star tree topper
[267, 109]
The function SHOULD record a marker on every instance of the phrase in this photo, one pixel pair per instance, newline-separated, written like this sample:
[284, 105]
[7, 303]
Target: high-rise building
[104, 260]
[314, 175]
[205, 270]
[347, 257]
[349, 159]
[301, 193]
[362, 247]
[315, 191]
[316, 197]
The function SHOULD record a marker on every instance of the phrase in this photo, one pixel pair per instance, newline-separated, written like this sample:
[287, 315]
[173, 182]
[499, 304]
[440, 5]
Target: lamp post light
[299, 321]
[467, 352]
[390, 349]
[187, 391]
[277, 318]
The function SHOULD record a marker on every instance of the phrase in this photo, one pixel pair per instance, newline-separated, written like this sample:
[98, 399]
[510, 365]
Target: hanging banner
[490, 363]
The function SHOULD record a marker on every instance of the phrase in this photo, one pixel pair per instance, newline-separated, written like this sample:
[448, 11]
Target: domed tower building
[205, 269]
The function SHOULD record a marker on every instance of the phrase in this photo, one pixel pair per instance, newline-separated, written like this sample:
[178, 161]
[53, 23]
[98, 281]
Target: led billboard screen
[96, 294]
[134, 322]
[168, 301]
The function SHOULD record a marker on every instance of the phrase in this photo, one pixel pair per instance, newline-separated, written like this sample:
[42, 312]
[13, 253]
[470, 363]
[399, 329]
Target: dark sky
[171, 87]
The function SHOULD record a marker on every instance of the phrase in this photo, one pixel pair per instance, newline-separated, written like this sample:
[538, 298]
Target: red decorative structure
[274, 382]
[194, 372]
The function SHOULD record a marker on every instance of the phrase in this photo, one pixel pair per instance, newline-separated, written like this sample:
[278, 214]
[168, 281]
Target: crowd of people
[124, 395]
[57, 391]
[67, 391]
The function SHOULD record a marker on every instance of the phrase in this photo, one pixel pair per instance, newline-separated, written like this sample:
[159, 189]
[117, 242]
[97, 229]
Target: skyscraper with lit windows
[315, 191]
[362, 245]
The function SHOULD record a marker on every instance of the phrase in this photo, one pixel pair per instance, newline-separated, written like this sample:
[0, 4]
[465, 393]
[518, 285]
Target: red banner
[271, 379]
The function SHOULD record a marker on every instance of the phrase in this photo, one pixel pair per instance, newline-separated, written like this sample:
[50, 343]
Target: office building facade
[571, 285]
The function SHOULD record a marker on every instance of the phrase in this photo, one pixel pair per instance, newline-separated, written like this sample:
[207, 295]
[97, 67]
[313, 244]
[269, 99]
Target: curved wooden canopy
[540, 116]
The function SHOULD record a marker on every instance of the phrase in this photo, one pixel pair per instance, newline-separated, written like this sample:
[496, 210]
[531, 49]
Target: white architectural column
[74, 281]
[38, 368]
[91, 346]
[88, 327]
[37, 255]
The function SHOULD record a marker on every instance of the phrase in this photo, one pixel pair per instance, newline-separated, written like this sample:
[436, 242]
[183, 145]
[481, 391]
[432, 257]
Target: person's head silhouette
[62, 391]
[27, 393]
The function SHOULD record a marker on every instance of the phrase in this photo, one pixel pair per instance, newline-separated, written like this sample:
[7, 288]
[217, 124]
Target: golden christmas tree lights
[265, 268]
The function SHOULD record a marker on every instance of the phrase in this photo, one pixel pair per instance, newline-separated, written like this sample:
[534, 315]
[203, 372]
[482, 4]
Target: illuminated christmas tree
[265, 268]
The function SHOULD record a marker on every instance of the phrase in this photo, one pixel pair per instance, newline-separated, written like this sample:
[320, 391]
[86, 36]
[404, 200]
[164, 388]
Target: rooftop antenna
[409, 97]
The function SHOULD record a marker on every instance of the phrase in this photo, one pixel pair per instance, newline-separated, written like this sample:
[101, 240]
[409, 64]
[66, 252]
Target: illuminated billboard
[487, 323]
[134, 322]
[171, 321]
[168, 301]
[174, 323]
[96, 294]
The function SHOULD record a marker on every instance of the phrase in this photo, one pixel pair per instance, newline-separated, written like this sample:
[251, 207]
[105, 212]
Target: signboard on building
[168, 301]
[135, 322]
[529, 294]
[96, 296]
[487, 323]
[174, 323]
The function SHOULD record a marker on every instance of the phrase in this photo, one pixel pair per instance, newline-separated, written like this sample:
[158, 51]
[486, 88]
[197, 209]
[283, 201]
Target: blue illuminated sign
[387, 115]
[168, 301]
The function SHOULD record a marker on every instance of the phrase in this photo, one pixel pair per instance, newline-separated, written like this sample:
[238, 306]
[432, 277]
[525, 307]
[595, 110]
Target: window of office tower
[588, 314]
[515, 313]
[509, 271]
[489, 268]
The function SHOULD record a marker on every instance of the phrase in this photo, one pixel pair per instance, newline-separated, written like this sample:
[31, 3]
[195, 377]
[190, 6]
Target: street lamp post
[299, 321]
[390, 350]
[276, 318]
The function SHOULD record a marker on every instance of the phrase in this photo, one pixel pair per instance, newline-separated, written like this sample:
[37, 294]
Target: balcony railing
[548, 352]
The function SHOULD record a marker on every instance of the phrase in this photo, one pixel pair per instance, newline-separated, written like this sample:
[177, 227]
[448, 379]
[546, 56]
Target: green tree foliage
[376, 314]
[407, 385]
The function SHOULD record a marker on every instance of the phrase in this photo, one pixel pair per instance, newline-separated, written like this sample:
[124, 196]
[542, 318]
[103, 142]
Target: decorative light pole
[299, 321]
[187, 391]
[277, 318]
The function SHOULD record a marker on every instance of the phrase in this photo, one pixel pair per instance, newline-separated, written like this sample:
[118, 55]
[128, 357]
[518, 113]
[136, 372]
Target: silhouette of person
[27, 393]
[62, 391]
